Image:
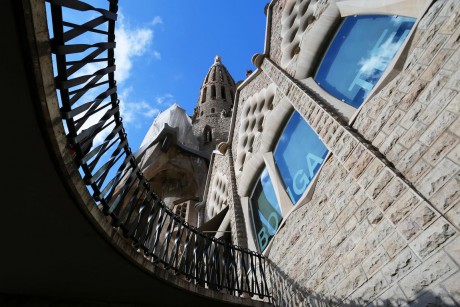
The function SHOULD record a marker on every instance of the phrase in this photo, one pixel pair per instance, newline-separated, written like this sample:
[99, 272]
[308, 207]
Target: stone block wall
[382, 226]
[220, 126]
[414, 120]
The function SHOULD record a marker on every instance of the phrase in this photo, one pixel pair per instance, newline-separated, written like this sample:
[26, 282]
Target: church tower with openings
[212, 114]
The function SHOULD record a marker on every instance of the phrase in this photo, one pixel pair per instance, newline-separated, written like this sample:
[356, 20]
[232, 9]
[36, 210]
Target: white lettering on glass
[301, 180]
[267, 228]
[263, 238]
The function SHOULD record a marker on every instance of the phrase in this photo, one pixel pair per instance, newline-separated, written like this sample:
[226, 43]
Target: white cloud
[166, 99]
[132, 112]
[157, 20]
[156, 55]
[130, 43]
[379, 57]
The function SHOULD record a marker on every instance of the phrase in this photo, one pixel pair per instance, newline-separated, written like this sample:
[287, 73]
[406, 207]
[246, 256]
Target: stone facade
[381, 225]
[212, 114]
[221, 193]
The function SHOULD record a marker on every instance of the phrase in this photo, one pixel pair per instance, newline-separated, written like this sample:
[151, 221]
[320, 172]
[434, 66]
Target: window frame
[385, 73]
[252, 214]
[283, 200]
[313, 46]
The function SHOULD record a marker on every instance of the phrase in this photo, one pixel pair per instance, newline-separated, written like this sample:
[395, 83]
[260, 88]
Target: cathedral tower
[212, 115]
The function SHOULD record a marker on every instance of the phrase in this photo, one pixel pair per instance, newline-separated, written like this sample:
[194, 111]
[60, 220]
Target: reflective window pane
[298, 156]
[359, 54]
[265, 210]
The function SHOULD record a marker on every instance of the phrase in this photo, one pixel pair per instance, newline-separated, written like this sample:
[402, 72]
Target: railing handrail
[128, 197]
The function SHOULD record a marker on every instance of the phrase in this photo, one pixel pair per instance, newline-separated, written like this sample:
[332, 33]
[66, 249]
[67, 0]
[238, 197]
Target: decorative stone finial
[257, 59]
[217, 59]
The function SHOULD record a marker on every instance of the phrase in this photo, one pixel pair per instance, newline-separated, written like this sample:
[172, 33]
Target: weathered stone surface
[402, 206]
[423, 215]
[347, 145]
[440, 101]
[345, 214]
[411, 115]
[400, 266]
[453, 249]
[331, 232]
[454, 154]
[391, 193]
[354, 157]
[380, 233]
[392, 297]
[379, 139]
[361, 164]
[351, 224]
[364, 210]
[413, 94]
[392, 139]
[335, 277]
[396, 152]
[375, 261]
[453, 215]
[354, 280]
[418, 170]
[434, 269]
[411, 78]
[437, 127]
[375, 216]
[454, 105]
[436, 296]
[379, 183]
[393, 244]
[409, 228]
[448, 195]
[454, 60]
[413, 134]
[451, 285]
[434, 46]
[356, 256]
[440, 148]
[437, 177]
[370, 173]
[317, 278]
[434, 87]
[393, 121]
[432, 238]
[369, 290]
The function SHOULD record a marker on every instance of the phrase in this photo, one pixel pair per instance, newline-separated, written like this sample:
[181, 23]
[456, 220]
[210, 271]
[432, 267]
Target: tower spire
[214, 106]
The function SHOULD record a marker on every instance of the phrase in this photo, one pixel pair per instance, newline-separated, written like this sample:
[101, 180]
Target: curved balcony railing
[87, 94]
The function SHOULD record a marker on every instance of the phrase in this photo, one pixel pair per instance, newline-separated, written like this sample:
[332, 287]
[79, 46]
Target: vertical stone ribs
[237, 220]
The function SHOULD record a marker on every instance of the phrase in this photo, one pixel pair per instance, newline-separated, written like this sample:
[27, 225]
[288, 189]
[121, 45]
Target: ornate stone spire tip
[217, 59]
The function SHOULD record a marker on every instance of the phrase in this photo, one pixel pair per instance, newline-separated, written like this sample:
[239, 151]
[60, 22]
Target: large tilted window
[298, 156]
[266, 212]
[360, 53]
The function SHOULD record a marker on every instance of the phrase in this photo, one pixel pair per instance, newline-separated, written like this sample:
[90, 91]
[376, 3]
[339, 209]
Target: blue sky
[165, 48]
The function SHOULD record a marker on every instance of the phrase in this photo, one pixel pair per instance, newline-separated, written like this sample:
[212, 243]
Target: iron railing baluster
[111, 171]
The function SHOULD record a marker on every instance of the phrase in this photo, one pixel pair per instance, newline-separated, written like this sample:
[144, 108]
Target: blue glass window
[298, 156]
[265, 210]
[359, 54]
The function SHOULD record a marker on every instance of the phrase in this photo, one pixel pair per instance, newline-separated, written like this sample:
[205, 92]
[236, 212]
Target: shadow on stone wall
[288, 293]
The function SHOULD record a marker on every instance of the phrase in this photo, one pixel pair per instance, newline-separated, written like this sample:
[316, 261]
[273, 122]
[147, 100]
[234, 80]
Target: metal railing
[90, 109]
